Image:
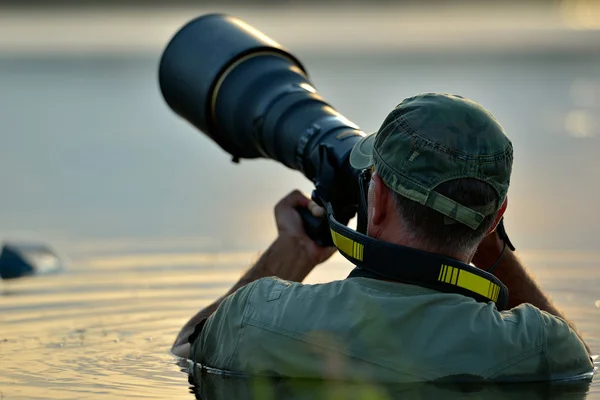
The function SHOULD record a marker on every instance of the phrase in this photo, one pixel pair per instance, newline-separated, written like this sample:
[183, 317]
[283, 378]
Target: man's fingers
[292, 200]
[296, 198]
[315, 209]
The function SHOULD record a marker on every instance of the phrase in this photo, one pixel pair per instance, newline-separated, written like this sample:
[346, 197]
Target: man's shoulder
[271, 287]
[268, 294]
[274, 286]
[531, 319]
[558, 350]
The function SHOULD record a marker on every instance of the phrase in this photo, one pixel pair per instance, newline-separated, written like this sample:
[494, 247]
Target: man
[441, 168]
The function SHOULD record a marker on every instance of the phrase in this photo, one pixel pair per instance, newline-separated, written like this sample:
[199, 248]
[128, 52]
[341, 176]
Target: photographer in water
[364, 327]
[430, 189]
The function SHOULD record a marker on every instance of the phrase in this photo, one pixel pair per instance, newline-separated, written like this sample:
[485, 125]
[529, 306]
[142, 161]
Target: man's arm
[291, 257]
[521, 284]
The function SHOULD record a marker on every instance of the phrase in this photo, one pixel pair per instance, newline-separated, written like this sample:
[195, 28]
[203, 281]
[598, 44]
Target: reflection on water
[211, 386]
[103, 328]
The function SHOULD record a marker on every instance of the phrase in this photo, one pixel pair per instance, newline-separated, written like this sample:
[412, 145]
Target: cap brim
[361, 156]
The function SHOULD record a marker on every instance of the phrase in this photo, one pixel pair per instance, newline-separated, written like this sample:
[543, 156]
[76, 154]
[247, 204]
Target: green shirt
[367, 329]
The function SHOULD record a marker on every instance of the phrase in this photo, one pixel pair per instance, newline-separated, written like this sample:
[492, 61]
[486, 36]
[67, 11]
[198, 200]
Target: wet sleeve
[565, 353]
[217, 342]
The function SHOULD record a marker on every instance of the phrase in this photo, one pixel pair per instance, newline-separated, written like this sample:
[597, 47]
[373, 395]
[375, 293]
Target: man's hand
[290, 224]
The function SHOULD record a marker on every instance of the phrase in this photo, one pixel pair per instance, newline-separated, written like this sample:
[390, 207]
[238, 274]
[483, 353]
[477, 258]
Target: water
[103, 328]
[156, 222]
[211, 386]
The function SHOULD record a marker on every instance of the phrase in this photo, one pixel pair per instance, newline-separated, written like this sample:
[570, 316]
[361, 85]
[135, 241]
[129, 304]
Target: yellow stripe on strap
[455, 275]
[347, 245]
[497, 293]
[449, 272]
[477, 284]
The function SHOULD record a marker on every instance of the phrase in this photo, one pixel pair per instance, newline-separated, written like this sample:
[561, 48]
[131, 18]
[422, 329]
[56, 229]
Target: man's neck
[407, 239]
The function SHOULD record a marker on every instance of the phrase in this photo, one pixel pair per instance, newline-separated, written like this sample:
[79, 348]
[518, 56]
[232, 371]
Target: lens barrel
[254, 99]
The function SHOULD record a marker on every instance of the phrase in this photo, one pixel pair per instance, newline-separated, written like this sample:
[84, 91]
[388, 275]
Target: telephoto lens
[253, 98]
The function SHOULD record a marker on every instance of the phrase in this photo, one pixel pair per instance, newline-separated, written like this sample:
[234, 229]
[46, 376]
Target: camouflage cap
[433, 138]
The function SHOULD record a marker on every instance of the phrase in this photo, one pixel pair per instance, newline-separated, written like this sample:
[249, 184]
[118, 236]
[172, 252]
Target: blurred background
[94, 163]
[91, 153]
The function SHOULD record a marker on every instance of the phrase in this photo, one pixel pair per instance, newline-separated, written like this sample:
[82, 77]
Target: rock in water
[28, 259]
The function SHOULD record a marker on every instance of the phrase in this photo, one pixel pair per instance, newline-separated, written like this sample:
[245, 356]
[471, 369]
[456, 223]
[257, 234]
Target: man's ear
[499, 215]
[380, 199]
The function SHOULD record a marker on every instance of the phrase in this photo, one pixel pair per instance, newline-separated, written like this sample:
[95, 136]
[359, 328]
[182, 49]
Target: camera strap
[376, 258]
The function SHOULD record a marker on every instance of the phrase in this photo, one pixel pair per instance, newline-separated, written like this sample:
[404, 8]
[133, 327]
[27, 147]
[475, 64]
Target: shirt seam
[229, 362]
[297, 336]
[544, 342]
[513, 361]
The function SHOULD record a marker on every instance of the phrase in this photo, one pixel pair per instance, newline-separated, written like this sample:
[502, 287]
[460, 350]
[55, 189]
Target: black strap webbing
[389, 261]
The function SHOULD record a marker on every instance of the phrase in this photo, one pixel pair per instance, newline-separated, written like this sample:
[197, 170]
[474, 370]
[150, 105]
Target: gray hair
[431, 227]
